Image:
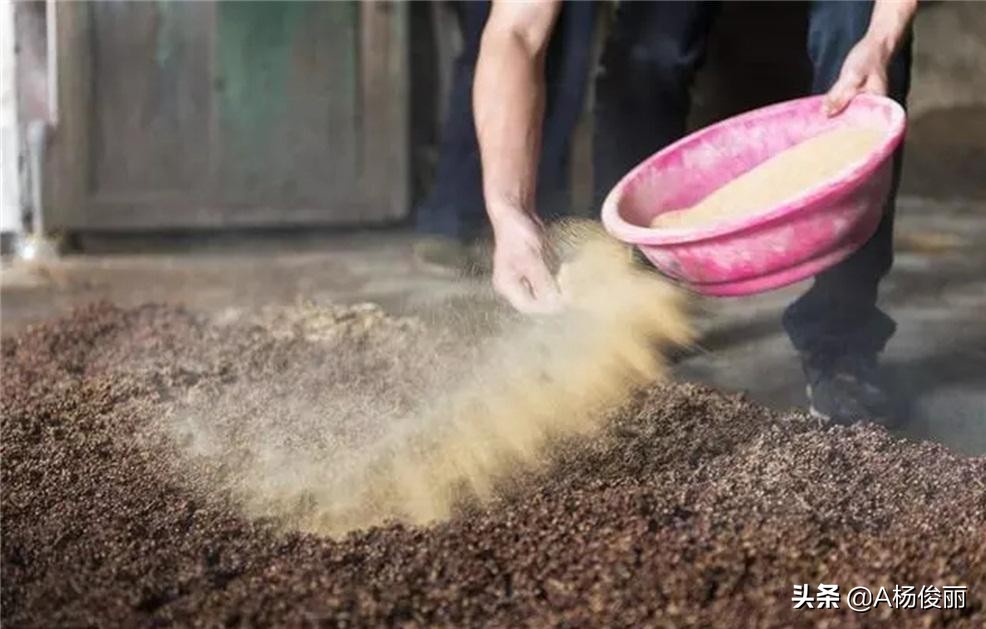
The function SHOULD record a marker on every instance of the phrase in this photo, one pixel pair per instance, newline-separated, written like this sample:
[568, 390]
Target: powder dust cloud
[403, 422]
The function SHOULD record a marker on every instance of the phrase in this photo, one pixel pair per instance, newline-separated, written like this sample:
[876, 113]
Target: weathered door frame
[384, 117]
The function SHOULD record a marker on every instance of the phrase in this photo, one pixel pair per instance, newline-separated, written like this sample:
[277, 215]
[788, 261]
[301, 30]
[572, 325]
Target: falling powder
[548, 378]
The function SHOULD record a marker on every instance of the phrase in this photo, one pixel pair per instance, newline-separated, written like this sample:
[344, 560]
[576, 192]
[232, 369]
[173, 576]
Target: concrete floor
[936, 291]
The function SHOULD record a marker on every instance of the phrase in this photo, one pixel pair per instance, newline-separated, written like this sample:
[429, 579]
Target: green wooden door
[183, 114]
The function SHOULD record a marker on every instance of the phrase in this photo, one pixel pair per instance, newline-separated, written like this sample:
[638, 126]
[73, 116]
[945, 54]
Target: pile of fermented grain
[780, 178]
[688, 507]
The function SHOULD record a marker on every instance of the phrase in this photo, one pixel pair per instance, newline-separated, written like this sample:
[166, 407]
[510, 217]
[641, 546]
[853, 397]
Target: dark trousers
[642, 103]
[455, 206]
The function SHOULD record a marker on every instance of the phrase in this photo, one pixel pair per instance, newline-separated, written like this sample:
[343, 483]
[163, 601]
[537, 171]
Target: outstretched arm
[508, 102]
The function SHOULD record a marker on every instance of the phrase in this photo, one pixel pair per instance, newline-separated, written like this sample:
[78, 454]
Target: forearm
[508, 103]
[889, 23]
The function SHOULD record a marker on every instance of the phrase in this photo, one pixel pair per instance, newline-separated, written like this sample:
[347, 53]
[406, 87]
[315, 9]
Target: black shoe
[846, 389]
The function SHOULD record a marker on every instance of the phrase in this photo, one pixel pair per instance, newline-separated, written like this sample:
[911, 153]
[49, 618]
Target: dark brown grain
[695, 508]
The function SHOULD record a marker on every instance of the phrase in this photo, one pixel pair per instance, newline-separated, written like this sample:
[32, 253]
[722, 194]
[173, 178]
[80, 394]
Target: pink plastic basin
[779, 245]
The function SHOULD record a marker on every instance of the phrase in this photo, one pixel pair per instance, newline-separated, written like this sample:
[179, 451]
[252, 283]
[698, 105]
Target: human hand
[520, 273]
[863, 71]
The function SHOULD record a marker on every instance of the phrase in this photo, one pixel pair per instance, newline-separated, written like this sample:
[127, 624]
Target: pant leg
[839, 313]
[642, 93]
[567, 75]
[454, 207]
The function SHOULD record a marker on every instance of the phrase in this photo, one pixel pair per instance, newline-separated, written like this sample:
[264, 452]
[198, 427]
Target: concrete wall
[949, 57]
[10, 189]
[945, 156]
[23, 97]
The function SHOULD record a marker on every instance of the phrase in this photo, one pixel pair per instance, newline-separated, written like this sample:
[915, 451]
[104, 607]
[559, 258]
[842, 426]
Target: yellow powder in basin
[779, 178]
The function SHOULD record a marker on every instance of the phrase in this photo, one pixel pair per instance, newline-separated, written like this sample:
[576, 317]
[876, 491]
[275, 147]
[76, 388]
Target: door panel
[150, 98]
[287, 103]
[185, 114]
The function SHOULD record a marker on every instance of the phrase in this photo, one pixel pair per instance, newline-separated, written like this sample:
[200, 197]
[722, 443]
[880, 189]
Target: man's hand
[520, 273]
[865, 67]
[864, 71]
